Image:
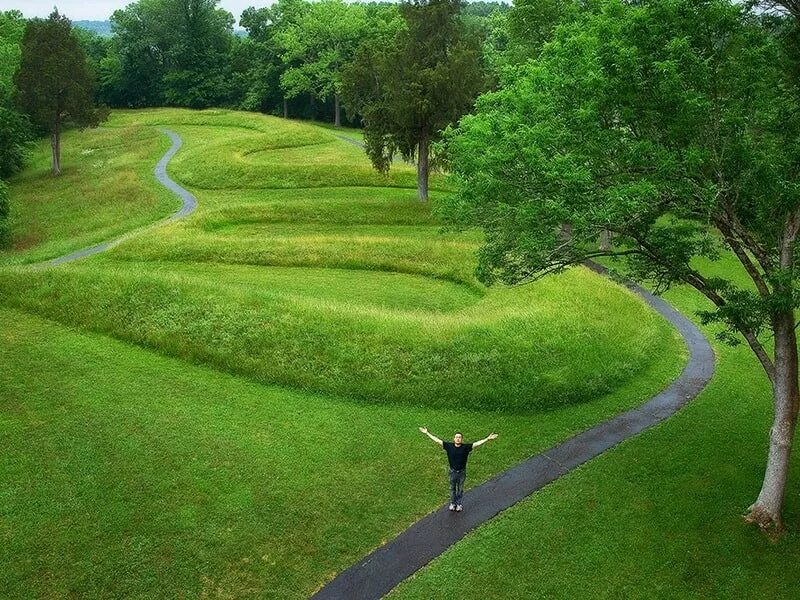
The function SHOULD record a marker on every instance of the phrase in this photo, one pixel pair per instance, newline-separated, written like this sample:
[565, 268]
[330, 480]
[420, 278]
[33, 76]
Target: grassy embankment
[185, 470]
[106, 188]
[657, 517]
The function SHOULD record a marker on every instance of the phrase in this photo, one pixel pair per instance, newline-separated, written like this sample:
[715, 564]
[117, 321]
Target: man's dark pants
[457, 478]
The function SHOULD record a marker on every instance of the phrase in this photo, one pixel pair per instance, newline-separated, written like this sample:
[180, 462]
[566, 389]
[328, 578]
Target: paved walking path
[377, 573]
[189, 203]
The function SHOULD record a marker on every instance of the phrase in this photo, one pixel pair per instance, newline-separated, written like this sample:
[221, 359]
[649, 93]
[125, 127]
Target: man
[457, 454]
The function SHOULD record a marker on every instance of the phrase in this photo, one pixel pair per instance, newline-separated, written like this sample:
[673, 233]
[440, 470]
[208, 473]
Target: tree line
[185, 53]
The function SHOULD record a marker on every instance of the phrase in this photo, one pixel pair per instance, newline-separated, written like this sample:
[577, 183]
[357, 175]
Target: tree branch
[730, 218]
[698, 282]
[557, 266]
[743, 257]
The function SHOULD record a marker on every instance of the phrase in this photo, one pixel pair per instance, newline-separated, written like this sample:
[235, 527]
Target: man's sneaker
[459, 508]
[452, 507]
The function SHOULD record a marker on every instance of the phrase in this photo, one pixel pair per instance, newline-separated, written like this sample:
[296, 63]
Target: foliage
[409, 89]
[15, 137]
[186, 53]
[264, 27]
[200, 40]
[54, 85]
[12, 27]
[173, 52]
[657, 122]
[318, 45]
[95, 47]
[675, 126]
[15, 130]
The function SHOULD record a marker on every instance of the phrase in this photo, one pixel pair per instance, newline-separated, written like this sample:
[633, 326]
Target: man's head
[458, 438]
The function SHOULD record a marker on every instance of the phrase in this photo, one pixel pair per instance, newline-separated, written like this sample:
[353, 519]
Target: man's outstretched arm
[491, 436]
[430, 435]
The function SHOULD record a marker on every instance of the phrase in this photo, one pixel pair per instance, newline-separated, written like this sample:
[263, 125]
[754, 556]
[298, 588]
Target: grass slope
[154, 478]
[164, 464]
[656, 517]
[106, 188]
[521, 349]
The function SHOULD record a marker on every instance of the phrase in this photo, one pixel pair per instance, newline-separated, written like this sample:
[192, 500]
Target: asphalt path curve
[188, 205]
[379, 572]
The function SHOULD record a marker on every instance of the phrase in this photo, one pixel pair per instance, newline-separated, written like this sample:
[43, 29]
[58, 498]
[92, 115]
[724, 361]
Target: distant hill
[102, 28]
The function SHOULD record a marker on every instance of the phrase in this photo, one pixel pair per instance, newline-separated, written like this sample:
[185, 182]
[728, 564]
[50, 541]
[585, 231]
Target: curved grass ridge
[379, 572]
[409, 325]
[105, 190]
[188, 205]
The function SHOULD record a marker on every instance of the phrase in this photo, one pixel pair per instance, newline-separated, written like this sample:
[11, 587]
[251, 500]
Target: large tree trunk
[285, 108]
[55, 143]
[422, 169]
[766, 511]
[338, 110]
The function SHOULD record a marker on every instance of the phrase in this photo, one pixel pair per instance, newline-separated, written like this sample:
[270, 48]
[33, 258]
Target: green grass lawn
[227, 405]
[106, 188]
[657, 517]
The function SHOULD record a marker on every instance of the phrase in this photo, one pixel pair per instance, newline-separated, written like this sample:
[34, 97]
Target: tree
[172, 52]
[12, 26]
[790, 6]
[139, 63]
[201, 37]
[15, 138]
[264, 26]
[319, 43]
[409, 90]
[675, 125]
[54, 84]
[15, 131]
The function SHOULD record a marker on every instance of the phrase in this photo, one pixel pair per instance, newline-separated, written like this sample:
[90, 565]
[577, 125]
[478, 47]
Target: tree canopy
[14, 128]
[674, 125]
[173, 52]
[288, 58]
[317, 45]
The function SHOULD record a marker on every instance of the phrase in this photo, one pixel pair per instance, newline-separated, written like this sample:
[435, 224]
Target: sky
[100, 10]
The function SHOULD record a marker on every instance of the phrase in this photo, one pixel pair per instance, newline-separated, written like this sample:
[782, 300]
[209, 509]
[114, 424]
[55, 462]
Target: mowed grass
[657, 517]
[106, 188]
[507, 351]
[241, 151]
[130, 474]
[227, 405]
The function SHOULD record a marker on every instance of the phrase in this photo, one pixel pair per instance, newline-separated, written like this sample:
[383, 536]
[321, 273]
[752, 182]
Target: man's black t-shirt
[457, 455]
